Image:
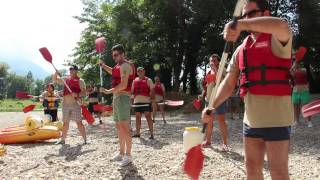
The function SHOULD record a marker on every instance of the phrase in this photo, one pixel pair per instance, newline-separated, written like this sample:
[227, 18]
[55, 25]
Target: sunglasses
[251, 14]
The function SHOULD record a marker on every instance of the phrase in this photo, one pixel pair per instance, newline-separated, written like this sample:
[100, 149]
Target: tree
[3, 77]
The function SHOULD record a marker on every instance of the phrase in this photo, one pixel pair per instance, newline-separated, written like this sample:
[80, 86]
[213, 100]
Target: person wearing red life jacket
[122, 77]
[50, 102]
[143, 91]
[300, 94]
[263, 62]
[208, 85]
[71, 111]
[159, 91]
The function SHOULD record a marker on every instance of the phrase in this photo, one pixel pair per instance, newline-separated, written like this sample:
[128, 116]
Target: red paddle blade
[300, 53]
[87, 115]
[28, 108]
[197, 104]
[193, 163]
[22, 95]
[102, 108]
[311, 109]
[46, 54]
[100, 44]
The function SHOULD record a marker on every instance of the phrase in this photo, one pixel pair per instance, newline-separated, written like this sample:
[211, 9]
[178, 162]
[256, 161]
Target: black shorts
[52, 113]
[146, 107]
[268, 134]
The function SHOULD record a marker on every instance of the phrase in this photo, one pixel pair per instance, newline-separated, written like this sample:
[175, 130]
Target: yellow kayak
[22, 135]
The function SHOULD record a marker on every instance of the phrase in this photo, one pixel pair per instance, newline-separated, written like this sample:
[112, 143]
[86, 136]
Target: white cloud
[27, 25]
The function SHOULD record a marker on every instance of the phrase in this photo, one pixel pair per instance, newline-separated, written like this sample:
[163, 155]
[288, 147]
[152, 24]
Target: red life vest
[141, 87]
[73, 83]
[116, 76]
[158, 89]
[263, 73]
[300, 77]
[209, 78]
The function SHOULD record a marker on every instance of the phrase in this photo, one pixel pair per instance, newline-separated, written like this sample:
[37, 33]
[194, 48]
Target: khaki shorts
[71, 113]
[121, 108]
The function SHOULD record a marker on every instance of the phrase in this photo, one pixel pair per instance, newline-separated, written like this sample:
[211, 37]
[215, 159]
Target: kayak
[22, 135]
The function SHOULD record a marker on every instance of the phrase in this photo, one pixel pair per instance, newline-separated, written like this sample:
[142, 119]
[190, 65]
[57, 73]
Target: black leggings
[52, 112]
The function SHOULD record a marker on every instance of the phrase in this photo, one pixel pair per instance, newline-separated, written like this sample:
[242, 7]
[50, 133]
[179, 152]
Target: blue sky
[27, 25]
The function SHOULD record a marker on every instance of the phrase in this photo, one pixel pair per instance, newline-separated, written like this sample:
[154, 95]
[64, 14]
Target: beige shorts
[71, 113]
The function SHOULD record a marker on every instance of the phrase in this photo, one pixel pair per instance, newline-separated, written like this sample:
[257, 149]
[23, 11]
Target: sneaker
[310, 124]
[61, 141]
[118, 157]
[136, 136]
[126, 160]
[100, 122]
[225, 148]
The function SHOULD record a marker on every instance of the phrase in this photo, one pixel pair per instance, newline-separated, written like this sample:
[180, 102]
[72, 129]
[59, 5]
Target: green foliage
[179, 35]
[12, 105]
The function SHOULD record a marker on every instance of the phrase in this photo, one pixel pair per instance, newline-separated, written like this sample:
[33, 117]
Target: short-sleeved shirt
[264, 110]
[125, 70]
[143, 99]
[68, 99]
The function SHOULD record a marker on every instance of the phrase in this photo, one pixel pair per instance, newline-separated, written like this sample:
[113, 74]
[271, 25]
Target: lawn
[16, 105]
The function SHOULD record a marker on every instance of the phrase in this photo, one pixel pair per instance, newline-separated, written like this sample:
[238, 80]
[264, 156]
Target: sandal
[136, 136]
[206, 144]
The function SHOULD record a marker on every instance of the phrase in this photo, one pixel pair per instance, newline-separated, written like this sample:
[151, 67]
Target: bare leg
[277, 153]
[149, 121]
[65, 129]
[154, 112]
[297, 110]
[223, 128]
[162, 113]
[254, 155]
[209, 132]
[127, 134]
[121, 138]
[138, 123]
[82, 130]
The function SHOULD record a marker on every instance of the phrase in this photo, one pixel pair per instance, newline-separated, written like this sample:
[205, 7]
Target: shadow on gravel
[130, 172]
[70, 152]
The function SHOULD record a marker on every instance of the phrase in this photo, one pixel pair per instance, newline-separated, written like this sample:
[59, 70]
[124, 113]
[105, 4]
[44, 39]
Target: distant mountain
[23, 68]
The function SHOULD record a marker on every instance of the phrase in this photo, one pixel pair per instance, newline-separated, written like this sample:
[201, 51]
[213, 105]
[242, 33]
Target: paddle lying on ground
[100, 46]
[85, 112]
[311, 109]
[102, 108]
[166, 102]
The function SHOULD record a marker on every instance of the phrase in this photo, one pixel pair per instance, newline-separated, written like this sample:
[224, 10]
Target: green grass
[13, 105]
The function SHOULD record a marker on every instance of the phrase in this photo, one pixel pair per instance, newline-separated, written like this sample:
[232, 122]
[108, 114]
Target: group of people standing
[261, 65]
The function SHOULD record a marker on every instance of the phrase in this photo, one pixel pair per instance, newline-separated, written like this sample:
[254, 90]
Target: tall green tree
[3, 78]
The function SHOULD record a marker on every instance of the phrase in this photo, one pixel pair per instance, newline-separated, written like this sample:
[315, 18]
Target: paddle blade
[100, 44]
[300, 53]
[197, 104]
[174, 103]
[193, 163]
[22, 95]
[102, 108]
[28, 108]
[311, 109]
[46, 54]
[87, 115]
[307, 106]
